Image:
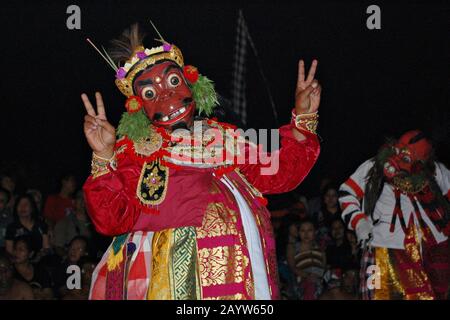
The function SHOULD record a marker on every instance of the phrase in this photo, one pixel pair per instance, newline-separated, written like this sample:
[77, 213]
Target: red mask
[412, 150]
[167, 97]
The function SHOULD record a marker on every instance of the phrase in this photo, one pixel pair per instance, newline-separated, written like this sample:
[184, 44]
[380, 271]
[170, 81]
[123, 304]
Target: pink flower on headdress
[141, 55]
[121, 73]
[167, 46]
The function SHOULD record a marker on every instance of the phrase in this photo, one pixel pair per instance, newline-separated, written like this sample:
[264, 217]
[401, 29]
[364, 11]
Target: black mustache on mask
[187, 101]
[180, 125]
[157, 116]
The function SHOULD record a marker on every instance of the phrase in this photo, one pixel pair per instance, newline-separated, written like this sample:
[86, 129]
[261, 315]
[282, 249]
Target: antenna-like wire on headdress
[161, 39]
[104, 55]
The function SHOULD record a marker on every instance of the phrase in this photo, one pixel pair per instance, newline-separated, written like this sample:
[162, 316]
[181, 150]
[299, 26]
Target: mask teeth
[174, 115]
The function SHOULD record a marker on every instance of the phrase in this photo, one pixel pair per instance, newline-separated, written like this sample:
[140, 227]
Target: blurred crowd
[318, 258]
[41, 237]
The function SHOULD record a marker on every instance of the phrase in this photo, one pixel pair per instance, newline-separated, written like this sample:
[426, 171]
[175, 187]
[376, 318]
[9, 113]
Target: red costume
[191, 200]
[188, 215]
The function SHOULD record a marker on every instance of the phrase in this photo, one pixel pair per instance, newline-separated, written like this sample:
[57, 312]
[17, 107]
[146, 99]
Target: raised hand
[99, 133]
[307, 93]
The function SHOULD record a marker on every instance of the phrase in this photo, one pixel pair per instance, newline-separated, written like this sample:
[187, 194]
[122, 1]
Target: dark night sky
[376, 83]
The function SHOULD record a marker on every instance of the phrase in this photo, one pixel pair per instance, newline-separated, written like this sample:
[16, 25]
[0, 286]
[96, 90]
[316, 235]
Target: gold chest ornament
[152, 185]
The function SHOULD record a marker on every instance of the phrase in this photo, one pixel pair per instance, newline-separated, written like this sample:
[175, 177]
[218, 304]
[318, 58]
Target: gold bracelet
[101, 166]
[306, 121]
[101, 158]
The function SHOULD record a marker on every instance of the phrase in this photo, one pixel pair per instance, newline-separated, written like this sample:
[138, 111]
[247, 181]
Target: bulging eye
[148, 93]
[407, 159]
[174, 80]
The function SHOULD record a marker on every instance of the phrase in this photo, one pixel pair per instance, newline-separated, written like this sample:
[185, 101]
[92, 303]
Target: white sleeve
[442, 175]
[351, 195]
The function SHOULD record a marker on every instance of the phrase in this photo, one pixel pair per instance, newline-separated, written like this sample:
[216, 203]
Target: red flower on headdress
[134, 104]
[190, 73]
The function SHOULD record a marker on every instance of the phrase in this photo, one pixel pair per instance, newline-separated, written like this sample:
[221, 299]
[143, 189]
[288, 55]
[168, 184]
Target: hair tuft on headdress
[126, 44]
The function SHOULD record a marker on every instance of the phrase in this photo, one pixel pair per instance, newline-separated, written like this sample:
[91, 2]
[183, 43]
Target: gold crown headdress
[129, 52]
[140, 58]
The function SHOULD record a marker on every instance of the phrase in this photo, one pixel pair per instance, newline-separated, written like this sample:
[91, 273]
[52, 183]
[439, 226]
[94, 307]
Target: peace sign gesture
[307, 93]
[99, 133]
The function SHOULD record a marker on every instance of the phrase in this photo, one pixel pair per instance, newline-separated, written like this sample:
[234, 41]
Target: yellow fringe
[114, 260]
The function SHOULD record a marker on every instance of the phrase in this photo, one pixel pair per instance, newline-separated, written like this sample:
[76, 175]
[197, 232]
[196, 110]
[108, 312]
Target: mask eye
[173, 80]
[148, 93]
[406, 159]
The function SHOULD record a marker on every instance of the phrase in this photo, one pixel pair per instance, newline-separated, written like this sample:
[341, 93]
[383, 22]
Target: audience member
[337, 287]
[58, 205]
[76, 223]
[11, 288]
[328, 212]
[315, 203]
[78, 248]
[350, 282]
[6, 217]
[87, 265]
[288, 233]
[300, 208]
[37, 196]
[339, 251]
[26, 271]
[356, 252]
[307, 261]
[27, 222]
[8, 182]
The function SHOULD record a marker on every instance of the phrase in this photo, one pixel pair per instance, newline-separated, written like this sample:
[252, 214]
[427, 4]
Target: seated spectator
[78, 248]
[6, 216]
[350, 282]
[307, 261]
[356, 252]
[315, 203]
[300, 208]
[8, 182]
[37, 196]
[339, 251]
[11, 288]
[58, 205]
[87, 265]
[27, 222]
[328, 212]
[288, 233]
[76, 223]
[31, 273]
[51, 264]
[336, 288]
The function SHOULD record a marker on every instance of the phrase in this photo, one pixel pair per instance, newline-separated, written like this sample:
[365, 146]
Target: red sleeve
[110, 199]
[295, 160]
